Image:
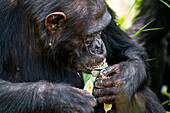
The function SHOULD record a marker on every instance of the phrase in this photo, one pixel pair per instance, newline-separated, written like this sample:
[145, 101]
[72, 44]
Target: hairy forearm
[21, 96]
[43, 97]
[133, 73]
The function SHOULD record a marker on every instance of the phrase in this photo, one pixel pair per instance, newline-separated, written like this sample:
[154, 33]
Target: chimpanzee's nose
[98, 47]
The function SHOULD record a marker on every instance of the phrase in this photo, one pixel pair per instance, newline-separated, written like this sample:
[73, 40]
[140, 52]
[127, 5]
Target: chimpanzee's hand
[108, 88]
[67, 99]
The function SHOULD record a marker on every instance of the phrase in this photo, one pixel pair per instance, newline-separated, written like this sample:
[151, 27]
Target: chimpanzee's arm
[42, 97]
[132, 76]
[128, 88]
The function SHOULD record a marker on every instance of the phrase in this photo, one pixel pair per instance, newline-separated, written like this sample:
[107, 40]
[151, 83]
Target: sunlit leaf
[165, 3]
[151, 59]
[136, 1]
[86, 77]
[153, 29]
[140, 30]
[166, 102]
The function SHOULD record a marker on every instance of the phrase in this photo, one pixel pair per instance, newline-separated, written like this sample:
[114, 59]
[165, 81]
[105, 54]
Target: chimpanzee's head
[74, 29]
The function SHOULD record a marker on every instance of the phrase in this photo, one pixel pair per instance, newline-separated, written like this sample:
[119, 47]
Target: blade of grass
[136, 1]
[166, 102]
[165, 3]
[140, 30]
[151, 59]
[152, 29]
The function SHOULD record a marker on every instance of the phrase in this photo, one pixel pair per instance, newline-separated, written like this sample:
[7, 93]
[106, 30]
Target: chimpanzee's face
[76, 31]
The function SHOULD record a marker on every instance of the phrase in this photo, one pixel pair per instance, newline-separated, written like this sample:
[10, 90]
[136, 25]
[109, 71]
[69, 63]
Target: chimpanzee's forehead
[88, 15]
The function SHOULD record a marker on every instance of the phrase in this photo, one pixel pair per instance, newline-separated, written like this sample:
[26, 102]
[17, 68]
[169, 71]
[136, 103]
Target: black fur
[156, 41]
[38, 77]
[134, 92]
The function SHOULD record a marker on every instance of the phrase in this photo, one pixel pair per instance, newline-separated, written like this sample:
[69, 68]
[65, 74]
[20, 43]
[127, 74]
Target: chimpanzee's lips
[98, 67]
[89, 69]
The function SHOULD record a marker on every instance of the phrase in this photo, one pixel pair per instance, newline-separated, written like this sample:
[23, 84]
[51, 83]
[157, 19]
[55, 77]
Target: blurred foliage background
[126, 10]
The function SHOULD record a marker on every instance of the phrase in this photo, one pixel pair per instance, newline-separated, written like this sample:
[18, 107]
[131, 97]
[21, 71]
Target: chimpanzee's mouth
[98, 67]
[88, 69]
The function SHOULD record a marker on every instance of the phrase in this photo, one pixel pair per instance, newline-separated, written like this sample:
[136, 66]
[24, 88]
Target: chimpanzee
[155, 41]
[45, 45]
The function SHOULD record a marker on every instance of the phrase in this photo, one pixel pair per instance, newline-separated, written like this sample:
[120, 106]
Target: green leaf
[151, 59]
[165, 93]
[153, 29]
[166, 102]
[86, 77]
[133, 5]
[140, 30]
[165, 3]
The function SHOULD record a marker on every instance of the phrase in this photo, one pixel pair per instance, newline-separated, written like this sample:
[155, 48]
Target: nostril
[96, 47]
[100, 51]
[99, 48]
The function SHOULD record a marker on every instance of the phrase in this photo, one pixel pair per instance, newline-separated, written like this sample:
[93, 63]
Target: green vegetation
[165, 3]
[129, 10]
[86, 77]
[125, 17]
[164, 92]
[151, 59]
[140, 30]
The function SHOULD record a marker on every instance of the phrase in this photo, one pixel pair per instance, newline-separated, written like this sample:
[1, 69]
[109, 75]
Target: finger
[105, 99]
[82, 91]
[104, 82]
[93, 102]
[111, 69]
[118, 82]
[89, 97]
[112, 101]
[116, 68]
[103, 92]
[107, 82]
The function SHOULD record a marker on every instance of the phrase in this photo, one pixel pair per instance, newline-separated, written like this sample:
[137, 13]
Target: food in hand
[103, 70]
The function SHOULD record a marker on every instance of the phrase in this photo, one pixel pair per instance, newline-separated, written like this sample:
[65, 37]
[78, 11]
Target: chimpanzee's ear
[54, 20]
